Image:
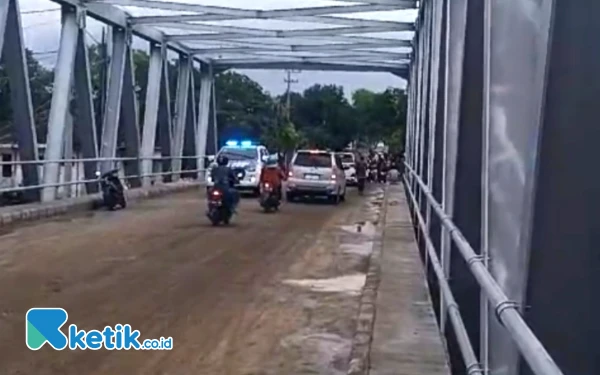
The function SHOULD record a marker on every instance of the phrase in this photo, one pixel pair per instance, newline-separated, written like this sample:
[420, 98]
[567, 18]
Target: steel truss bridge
[500, 148]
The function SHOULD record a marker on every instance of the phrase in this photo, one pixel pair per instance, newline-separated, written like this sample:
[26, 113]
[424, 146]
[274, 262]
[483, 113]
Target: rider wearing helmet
[273, 174]
[225, 179]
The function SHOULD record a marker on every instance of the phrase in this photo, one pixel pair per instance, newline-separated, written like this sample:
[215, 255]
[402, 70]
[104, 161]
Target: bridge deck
[406, 338]
[271, 295]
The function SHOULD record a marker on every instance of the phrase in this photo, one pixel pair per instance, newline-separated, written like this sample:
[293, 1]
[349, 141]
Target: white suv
[246, 160]
[316, 173]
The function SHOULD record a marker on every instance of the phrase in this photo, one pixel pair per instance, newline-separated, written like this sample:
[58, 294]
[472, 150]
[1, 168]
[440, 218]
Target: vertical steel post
[165, 137]
[151, 111]
[215, 124]
[189, 140]
[181, 101]
[485, 183]
[203, 119]
[63, 74]
[457, 16]
[85, 126]
[129, 117]
[444, 240]
[67, 168]
[112, 110]
[20, 94]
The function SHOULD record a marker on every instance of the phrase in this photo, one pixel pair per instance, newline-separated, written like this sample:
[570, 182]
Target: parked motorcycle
[270, 198]
[113, 190]
[218, 212]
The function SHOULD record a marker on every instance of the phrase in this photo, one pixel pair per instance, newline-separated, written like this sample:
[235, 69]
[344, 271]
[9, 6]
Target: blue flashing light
[246, 143]
[231, 143]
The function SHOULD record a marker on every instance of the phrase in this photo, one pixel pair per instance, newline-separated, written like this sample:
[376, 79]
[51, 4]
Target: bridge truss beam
[499, 133]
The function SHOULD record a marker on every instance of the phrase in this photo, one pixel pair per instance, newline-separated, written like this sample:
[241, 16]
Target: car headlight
[251, 169]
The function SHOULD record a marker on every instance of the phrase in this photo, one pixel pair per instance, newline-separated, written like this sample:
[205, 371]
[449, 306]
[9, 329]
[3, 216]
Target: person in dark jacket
[225, 179]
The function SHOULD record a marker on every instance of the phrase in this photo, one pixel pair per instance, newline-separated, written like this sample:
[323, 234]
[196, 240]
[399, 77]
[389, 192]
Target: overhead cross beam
[358, 48]
[310, 66]
[344, 43]
[261, 14]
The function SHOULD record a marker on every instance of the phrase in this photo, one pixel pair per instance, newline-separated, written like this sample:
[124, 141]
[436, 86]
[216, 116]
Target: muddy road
[235, 300]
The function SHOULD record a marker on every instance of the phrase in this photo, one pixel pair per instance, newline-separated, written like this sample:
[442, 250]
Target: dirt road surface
[271, 294]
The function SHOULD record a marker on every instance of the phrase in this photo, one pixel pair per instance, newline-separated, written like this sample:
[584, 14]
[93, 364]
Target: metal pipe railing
[507, 311]
[462, 337]
[95, 160]
[91, 160]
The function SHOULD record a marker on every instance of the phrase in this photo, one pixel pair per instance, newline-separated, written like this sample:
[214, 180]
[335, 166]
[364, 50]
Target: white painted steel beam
[114, 16]
[251, 13]
[266, 14]
[151, 111]
[129, 119]
[245, 39]
[344, 47]
[321, 32]
[337, 55]
[206, 85]
[15, 63]
[112, 111]
[63, 78]
[181, 100]
[315, 66]
[340, 60]
[85, 120]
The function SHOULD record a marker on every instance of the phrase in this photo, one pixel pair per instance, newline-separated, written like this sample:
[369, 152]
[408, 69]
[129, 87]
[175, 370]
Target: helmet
[270, 161]
[222, 160]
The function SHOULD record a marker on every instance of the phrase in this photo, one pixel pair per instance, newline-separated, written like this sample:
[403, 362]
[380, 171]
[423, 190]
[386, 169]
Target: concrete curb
[365, 321]
[27, 213]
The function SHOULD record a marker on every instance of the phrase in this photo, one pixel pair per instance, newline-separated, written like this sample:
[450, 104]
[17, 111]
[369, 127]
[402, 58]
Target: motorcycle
[113, 190]
[372, 174]
[382, 176]
[218, 212]
[269, 198]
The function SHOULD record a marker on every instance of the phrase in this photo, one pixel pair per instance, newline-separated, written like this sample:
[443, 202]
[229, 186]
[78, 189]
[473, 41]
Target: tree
[325, 116]
[41, 80]
[244, 109]
[382, 116]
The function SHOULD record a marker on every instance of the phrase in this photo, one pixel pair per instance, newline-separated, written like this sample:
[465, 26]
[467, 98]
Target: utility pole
[288, 80]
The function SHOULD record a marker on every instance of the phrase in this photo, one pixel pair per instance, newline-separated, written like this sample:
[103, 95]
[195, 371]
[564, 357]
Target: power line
[92, 36]
[288, 80]
[42, 53]
[37, 11]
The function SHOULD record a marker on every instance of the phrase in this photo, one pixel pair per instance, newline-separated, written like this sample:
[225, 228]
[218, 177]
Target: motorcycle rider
[225, 179]
[361, 170]
[272, 173]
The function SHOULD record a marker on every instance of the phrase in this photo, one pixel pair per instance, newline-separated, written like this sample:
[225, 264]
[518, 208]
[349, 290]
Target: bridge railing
[506, 311]
[83, 166]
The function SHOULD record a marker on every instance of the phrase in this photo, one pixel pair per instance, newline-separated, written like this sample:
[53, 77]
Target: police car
[246, 160]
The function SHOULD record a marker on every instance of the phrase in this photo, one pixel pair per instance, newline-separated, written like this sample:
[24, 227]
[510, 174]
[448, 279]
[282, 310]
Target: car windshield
[347, 158]
[239, 153]
[316, 160]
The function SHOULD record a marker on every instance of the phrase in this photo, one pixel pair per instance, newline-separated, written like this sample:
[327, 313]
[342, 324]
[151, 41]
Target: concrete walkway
[406, 338]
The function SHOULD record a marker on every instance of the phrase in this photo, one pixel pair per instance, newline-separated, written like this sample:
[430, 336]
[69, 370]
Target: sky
[42, 34]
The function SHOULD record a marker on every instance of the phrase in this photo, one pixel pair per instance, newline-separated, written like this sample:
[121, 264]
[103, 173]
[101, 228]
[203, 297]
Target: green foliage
[41, 80]
[244, 108]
